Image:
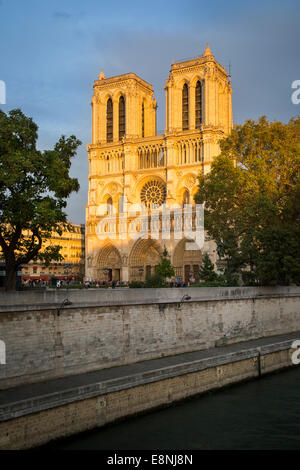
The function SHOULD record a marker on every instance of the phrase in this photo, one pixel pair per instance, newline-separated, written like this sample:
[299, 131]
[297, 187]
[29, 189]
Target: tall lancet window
[143, 120]
[198, 104]
[121, 117]
[109, 206]
[109, 120]
[185, 107]
[186, 197]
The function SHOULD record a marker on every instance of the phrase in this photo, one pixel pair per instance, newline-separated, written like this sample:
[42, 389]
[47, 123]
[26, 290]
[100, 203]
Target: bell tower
[123, 107]
[198, 93]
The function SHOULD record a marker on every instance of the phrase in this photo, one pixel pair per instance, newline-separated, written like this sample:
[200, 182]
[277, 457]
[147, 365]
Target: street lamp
[184, 299]
[65, 302]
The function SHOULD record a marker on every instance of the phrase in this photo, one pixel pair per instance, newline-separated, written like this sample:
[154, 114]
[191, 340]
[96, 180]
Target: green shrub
[207, 271]
[156, 280]
[136, 284]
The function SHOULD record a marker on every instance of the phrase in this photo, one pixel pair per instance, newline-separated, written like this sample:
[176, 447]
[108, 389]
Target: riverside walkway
[32, 398]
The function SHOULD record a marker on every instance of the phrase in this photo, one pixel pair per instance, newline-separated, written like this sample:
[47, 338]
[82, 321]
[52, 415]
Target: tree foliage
[163, 271]
[207, 270]
[165, 268]
[156, 280]
[252, 201]
[34, 187]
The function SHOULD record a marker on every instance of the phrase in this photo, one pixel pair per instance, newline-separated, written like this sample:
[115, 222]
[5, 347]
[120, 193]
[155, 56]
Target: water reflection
[261, 414]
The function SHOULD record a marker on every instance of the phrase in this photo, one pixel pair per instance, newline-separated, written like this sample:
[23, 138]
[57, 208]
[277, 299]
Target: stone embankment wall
[24, 426]
[105, 328]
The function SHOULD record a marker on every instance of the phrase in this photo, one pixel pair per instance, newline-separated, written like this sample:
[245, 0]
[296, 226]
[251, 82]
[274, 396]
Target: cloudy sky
[52, 50]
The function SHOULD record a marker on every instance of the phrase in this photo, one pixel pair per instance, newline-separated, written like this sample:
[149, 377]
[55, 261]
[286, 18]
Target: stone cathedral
[129, 161]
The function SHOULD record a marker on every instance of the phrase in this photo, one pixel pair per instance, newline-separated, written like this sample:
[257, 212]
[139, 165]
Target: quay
[177, 352]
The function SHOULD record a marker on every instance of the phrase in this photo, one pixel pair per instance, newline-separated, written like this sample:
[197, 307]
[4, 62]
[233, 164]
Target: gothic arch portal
[144, 256]
[186, 262]
[109, 263]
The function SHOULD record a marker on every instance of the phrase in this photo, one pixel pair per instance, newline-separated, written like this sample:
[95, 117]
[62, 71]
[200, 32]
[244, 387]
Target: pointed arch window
[186, 197]
[198, 104]
[184, 153]
[143, 120]
[109, 120]
[185, 107]
[109, 206]
[147, 159]
[121, 117]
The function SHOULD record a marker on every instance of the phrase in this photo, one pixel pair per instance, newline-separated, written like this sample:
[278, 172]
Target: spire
[101, 76]
[207, 51]
[229, 73]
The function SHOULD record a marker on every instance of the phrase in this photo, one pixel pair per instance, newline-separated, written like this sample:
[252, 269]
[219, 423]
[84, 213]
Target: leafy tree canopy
[207, 270]
[165, 268]
[252, 201]
[163, 271]
[34, 187]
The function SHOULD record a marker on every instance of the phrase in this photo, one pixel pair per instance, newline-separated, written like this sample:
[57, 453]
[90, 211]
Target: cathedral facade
[131, 166]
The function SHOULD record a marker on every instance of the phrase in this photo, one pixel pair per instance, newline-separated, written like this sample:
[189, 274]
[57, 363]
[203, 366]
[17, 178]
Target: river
[260, 414]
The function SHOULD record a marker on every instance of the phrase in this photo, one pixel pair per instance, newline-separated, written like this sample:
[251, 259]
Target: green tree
[163, 271]
[156, 280]
[252, 201]
[165, 268]
[207, 270]
[34, 187]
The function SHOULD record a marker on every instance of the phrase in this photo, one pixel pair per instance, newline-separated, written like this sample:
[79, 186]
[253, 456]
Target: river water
[260, 414]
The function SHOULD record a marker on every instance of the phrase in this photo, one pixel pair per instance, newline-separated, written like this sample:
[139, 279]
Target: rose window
[153, 193]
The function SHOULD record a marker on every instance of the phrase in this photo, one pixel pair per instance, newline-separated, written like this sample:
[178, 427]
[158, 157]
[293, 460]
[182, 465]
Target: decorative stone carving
[153, 192]
[101, 76]
[124, 260]
[190, 181]
[90, 259]
[113, 188]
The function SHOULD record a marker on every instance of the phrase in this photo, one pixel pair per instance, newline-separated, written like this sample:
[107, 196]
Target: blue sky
[51, 51]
